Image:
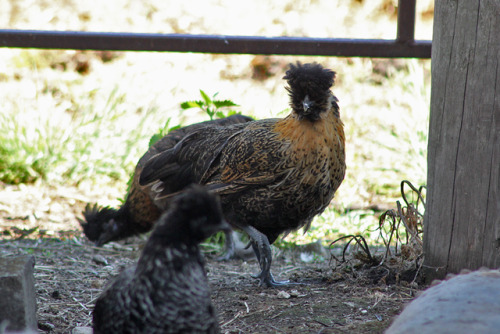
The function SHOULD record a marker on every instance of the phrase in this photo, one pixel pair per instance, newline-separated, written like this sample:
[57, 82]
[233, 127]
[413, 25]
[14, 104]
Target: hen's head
[193, 216]
[102, 224]
[309, 89]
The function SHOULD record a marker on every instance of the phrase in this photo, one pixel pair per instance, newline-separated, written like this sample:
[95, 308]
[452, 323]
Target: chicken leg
[262, 250]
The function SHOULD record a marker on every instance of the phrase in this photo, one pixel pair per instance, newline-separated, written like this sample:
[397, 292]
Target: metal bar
[406, 21]
[214, 44]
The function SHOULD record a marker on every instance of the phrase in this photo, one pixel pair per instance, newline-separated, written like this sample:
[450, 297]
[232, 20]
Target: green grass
[68, 147]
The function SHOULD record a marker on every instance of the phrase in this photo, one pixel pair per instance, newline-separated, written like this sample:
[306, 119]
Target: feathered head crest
[309, 89]
[309, 76]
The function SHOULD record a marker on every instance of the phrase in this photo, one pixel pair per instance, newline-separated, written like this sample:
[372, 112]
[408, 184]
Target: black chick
[139, 212]
[167, 291]
[273, 175]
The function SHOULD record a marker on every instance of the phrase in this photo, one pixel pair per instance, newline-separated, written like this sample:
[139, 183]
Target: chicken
[273, 175]
[138, 213]
[167, 291]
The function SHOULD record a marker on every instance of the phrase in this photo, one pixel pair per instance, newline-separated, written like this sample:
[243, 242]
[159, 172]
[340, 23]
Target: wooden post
[462, 223]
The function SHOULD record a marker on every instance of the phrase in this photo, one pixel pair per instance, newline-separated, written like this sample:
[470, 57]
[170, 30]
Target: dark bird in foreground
[139, 211]
[167, 291]
[273, 175]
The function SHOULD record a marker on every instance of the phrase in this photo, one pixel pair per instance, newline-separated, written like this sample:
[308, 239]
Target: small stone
[283, 295]
[82, 330]
[97, 284]
[46, 326]
[17, 291]
[307, 257]
[99, 259]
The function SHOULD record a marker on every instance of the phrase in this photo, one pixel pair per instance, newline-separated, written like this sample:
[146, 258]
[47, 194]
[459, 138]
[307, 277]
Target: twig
[419, 268]
[409, 229]
[277, 315]
[79, 303]
[276, 329]
[321, 323]
[92, 301]
[230, 321]
[258, 311]
[286, 271]
[113, 250]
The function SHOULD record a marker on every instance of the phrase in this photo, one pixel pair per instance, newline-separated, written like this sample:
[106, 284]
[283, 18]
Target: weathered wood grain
[462, 225]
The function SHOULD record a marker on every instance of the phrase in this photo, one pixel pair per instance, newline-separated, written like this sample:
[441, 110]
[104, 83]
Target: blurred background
[73, 124]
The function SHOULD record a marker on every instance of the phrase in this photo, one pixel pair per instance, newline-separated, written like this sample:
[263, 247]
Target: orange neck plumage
[308, 136]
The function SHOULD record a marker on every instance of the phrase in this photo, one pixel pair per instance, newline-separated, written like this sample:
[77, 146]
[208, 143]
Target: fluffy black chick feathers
[167, 292]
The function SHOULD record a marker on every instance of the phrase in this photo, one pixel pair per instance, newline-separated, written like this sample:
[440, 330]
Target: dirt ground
[70, 273]
[332, 297]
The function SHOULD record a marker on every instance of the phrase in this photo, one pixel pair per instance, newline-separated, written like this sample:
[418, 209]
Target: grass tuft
[68, 147]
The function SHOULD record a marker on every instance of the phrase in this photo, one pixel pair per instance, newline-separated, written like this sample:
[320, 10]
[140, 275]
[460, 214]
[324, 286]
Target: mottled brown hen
[273, 175]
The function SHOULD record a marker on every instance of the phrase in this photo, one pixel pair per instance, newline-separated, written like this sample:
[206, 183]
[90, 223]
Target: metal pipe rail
[404, 46]
[213, 44]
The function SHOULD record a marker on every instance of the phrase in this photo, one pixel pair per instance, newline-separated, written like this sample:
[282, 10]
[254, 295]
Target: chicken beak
[108, 234]
[306, 104]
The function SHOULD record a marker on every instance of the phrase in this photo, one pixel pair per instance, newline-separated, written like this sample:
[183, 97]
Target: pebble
[283, 295]
[82, 330]
[99, 259]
